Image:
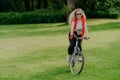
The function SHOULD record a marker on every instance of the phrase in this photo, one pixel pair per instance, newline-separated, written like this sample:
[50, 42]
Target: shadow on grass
[57, 73]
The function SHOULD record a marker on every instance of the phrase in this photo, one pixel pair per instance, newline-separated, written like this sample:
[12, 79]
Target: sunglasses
[79, 14]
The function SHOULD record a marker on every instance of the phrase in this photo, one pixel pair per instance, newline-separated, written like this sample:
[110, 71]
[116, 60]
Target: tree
[38, 4]
[27, 5]
[71, 6]
[32, 2]
[93, 5]
[45, 4]
[87, 5]
[56, 4]
[7, 5]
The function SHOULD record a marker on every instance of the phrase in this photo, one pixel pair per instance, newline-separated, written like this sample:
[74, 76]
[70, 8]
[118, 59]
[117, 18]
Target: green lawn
[38, 52]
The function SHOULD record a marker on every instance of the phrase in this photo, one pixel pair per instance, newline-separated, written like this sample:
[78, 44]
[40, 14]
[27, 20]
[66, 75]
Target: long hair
[72, 15]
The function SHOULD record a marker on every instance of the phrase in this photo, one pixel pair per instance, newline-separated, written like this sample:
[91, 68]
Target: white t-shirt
[78, 26]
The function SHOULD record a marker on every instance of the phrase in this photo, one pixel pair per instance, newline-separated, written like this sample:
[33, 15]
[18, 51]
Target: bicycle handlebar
[77, 37]
[81, 37]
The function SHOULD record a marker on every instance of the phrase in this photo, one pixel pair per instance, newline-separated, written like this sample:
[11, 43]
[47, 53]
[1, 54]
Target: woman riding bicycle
[77, 22]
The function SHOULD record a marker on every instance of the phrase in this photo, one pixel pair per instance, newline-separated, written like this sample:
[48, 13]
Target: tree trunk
[93, 5]
[71, 4]
[39, 4]
[85, 4]
[27, 5]
[45, 4]
[32, 4]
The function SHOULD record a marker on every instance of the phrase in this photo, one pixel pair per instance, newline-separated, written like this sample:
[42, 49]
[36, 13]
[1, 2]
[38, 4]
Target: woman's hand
[86, 37]
[71, 37]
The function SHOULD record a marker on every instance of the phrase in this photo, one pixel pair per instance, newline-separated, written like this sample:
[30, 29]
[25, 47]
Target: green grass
[38, 51]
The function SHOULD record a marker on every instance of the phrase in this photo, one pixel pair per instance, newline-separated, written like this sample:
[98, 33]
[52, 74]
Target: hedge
[48, 17]
[31, 17]
[101, 14]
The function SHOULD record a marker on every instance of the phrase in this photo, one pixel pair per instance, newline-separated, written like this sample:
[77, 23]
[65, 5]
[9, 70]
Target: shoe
[80, 58]
[68, 58]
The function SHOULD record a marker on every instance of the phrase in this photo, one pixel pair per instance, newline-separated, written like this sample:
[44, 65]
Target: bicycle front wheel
[76, 63]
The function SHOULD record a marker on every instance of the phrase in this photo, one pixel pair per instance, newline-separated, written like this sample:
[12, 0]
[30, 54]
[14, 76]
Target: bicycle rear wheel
[76, 63]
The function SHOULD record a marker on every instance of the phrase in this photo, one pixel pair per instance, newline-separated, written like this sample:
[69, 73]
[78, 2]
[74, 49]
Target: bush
[44, 16]
[32, 17]
[101, 14]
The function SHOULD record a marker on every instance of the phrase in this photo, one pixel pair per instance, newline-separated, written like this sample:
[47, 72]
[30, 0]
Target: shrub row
[48, 17]
[101, 14]
[31, 17]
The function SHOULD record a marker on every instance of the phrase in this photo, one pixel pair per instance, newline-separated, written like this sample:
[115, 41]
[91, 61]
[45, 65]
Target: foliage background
[46, 11]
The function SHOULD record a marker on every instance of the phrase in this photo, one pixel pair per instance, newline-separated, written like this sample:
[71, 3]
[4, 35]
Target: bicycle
[76, 62]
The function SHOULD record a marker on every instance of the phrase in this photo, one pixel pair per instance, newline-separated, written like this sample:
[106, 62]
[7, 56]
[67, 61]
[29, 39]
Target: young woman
[77, 22]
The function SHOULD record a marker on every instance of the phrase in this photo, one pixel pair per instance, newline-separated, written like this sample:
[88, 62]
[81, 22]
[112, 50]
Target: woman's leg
[79, 41]
[79, 44]
[71, 46]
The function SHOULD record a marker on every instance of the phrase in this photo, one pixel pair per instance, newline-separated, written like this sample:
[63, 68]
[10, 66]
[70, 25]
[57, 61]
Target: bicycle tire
[72, 64]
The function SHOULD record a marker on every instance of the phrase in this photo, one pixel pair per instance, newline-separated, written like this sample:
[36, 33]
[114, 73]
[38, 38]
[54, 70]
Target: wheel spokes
[76, 64]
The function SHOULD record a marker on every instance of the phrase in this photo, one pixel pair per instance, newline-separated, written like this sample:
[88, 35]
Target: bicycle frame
[75, 54]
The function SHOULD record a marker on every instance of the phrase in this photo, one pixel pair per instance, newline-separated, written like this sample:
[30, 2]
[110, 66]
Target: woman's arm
[72, 28]
[86, 31]
[71, 32]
